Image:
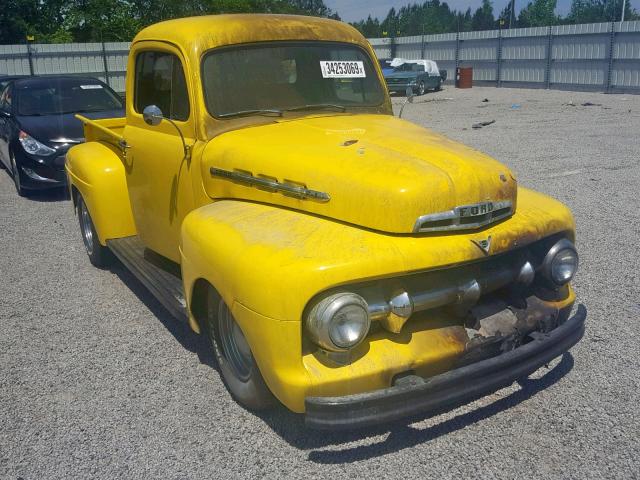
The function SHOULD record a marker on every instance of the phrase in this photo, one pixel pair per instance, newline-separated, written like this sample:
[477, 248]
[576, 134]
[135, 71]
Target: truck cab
[348, 264]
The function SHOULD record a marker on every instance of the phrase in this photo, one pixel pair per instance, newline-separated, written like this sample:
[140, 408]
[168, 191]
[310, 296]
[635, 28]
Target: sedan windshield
[57, 98]
[274, 78]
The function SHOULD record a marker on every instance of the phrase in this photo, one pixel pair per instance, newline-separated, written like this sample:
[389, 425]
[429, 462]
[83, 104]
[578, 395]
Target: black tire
[15, 173]
[421, 88]
[238, 368]
[438, 86]
[99, 255]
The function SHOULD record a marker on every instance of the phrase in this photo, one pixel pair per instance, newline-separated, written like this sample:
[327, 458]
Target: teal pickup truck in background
[420, 75]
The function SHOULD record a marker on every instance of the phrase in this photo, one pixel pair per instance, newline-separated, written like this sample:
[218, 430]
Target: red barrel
[464, 77]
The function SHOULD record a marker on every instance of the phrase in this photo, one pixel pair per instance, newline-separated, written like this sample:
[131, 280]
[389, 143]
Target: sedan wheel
[16, 175]
[421, 88]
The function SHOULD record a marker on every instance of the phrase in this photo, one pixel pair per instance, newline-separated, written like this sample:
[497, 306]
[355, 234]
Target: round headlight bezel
[321, 321]
[554, 252]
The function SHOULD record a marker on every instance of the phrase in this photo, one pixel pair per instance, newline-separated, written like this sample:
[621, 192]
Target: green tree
[19, 18]
[370, 27]
[591, 11]
[538, 13]
[483, 18]
[120, 20]
[390, 25]
[463, 21]
[506, 17]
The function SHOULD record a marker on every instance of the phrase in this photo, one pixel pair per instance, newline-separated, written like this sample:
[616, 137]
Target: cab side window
[160, 81]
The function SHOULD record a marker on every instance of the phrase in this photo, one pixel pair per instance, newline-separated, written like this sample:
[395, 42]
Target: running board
[160, 275]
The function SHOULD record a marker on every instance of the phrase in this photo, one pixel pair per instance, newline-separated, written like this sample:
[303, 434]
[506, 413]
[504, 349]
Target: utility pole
[624, 6]
[29, 40]
[512, 11]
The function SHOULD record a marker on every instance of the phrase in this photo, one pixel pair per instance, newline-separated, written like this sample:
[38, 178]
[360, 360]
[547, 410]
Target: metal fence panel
[579, 73]
[527, 48]
[583, 47]
[440, 51]
[597, 56]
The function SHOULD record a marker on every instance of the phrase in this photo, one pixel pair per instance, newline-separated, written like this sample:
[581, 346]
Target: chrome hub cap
[234, 345]
[85, 227]
[421, 88]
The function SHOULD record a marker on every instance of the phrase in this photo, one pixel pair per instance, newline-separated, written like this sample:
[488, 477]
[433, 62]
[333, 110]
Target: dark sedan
[5, 79]
[37, 125]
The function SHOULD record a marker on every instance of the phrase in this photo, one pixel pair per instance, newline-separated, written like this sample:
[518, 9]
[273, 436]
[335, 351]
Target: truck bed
[105, 129]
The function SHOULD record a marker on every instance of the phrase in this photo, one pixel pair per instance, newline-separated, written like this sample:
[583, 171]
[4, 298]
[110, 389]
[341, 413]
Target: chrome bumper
[414, 395]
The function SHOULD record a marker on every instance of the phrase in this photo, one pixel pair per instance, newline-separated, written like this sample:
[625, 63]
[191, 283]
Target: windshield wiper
[241, 113]
[342, 108]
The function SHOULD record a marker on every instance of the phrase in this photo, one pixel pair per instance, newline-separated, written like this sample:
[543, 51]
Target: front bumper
[38, 173]
[400, 87]
[414, 395]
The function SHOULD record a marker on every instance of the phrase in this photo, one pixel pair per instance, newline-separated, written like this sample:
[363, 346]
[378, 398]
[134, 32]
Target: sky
[353, 10]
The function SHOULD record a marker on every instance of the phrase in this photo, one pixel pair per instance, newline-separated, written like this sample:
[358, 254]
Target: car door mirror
[152, 115]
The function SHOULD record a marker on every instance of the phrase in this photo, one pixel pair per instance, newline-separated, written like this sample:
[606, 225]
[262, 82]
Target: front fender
[96, 172]
[268, 262]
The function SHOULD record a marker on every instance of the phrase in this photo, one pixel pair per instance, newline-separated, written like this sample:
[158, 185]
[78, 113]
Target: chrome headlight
[339, 322]
[32, 146]
[561, 262]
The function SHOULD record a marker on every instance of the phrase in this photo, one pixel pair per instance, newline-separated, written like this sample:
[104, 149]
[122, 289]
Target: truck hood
[377, 171]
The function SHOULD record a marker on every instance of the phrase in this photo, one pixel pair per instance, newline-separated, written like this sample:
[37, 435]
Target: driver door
[158, 173]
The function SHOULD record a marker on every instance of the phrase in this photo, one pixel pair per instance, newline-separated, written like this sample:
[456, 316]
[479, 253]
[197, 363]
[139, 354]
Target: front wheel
[99, 255]
[238, 368]
[15, 173]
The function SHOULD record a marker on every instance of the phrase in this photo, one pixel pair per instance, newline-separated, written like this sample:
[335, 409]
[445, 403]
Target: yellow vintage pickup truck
[344, 262]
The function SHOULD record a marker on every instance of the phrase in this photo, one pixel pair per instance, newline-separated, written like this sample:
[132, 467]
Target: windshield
[272, 78]
[57, 98]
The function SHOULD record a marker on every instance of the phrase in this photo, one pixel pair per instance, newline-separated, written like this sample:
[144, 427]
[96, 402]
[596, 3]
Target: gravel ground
[96, 379]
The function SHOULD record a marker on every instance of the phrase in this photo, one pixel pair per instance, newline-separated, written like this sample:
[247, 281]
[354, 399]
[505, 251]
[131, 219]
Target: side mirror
[152, 115]
[410, 94]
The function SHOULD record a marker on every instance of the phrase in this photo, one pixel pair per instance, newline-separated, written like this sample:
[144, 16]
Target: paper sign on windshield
[90, 87]
[342, 69]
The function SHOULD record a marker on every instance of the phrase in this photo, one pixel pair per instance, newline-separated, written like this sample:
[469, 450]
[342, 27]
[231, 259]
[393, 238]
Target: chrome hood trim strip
[273, 185]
